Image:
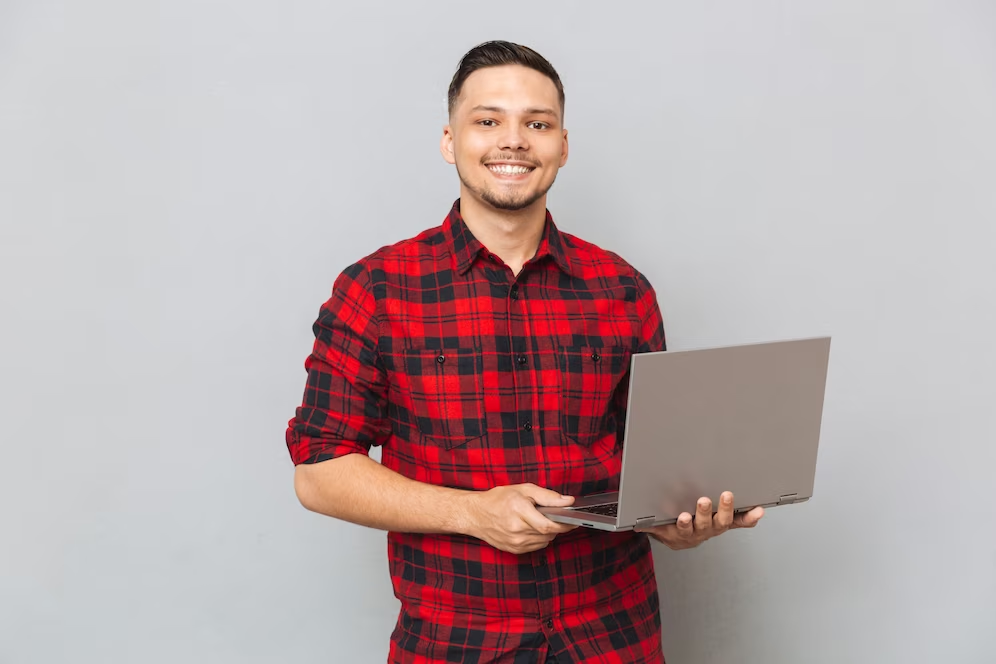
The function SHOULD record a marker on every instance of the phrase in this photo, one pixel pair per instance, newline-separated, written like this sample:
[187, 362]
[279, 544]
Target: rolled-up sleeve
[344, 406]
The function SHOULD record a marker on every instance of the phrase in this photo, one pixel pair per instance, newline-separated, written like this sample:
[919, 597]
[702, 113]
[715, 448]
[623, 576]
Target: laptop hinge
[788, 499]
[645, 521]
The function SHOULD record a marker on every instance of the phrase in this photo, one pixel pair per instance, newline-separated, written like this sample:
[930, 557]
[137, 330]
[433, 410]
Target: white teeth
[509, 170]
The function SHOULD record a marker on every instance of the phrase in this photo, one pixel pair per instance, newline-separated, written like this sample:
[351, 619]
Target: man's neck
[512, 236]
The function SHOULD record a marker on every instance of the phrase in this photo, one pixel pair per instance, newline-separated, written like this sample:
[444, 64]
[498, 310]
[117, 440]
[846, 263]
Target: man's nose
[513, 138]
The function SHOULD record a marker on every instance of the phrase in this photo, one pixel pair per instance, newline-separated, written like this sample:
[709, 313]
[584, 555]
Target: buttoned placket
[523, 378]
[541, 562]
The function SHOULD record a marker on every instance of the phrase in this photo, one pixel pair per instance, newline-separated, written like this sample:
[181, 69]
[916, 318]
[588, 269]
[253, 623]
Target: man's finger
[724, 516]
[703, 514]
[684, 525]
[537, 522]
[534, 543]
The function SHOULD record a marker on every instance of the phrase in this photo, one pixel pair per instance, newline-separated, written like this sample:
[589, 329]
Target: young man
[488, 356]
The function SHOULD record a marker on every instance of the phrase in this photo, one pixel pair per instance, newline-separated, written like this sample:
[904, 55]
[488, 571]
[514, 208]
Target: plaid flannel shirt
[471, 377]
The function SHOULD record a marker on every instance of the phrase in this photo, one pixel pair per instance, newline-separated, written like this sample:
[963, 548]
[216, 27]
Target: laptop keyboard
[609, 509]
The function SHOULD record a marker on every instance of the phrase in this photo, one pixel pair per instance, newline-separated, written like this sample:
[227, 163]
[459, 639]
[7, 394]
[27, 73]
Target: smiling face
[505, 137]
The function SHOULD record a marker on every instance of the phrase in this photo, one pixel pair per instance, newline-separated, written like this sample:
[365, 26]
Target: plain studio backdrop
[181, 182]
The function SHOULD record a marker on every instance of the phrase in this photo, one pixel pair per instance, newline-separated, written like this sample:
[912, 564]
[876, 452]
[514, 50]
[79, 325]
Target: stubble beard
[509, 201]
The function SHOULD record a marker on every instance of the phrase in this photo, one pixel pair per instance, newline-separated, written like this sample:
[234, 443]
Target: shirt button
[595, 357]
[528, 426]
[521, 359]
[514, 292]
[441, 359]
[549, 624]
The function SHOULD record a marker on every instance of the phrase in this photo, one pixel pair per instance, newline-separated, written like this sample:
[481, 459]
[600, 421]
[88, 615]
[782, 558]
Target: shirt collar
[467, 248]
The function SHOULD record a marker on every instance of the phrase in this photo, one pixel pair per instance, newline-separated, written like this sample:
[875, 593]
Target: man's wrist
[463, 512]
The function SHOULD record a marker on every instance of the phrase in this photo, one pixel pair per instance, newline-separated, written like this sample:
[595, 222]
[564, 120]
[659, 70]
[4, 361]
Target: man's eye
[538, 125]
[487, 123]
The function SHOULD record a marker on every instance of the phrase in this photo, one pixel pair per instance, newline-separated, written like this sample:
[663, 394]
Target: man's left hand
[688, 533]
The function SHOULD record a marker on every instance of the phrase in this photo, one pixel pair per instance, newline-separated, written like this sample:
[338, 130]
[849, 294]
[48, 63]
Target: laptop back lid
[743, 418]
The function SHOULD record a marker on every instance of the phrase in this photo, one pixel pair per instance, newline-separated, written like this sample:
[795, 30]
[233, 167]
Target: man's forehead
[510, 88]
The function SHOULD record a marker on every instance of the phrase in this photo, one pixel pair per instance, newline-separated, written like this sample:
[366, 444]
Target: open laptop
[699, 422]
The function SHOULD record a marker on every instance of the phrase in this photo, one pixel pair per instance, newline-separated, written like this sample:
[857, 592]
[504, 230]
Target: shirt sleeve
[345, 398]
[651, 339]
[652, 336]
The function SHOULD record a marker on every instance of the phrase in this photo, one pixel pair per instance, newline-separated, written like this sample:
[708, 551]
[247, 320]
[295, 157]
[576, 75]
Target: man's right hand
[506, 517]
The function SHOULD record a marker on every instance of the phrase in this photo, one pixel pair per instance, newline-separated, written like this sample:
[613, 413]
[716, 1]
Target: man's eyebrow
[528, 111]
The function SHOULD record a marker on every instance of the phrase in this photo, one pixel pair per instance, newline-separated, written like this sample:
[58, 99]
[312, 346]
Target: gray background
[180, 183]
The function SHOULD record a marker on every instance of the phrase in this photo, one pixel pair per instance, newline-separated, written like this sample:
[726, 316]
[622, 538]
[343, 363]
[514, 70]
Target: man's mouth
[510, 169]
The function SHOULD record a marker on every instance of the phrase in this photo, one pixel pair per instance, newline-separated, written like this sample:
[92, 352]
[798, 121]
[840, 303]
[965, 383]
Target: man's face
[505, 136]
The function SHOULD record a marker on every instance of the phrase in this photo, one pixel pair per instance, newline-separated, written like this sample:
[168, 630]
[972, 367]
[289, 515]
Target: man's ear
[446, 145]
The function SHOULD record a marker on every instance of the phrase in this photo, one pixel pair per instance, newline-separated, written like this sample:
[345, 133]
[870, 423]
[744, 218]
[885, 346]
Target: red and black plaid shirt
[471, 377]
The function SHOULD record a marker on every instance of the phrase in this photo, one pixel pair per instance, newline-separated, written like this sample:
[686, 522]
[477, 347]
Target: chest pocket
[447, 393]
[589, 379]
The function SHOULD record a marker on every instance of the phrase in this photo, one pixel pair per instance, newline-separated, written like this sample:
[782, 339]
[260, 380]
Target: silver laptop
[742, 418]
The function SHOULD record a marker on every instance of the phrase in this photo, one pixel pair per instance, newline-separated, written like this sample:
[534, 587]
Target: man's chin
[510, 203]
[507, 202]
[507, 205]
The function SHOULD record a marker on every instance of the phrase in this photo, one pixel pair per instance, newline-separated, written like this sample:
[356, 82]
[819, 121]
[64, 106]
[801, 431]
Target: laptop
[699, 422]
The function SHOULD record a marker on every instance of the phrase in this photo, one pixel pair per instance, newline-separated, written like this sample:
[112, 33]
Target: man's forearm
[357, 489]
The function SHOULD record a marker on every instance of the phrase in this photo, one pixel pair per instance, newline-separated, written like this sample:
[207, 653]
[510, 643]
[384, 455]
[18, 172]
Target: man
[488, 356]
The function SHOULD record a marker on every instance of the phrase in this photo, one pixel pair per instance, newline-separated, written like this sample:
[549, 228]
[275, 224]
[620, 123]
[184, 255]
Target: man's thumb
[547, 498]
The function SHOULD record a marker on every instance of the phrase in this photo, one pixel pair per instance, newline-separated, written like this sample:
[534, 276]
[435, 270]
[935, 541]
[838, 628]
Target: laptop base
[578, 515]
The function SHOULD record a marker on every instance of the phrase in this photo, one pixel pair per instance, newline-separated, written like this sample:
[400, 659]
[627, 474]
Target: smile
[508, 169]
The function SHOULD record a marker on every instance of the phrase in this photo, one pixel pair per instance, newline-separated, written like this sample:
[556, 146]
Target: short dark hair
[497, 54]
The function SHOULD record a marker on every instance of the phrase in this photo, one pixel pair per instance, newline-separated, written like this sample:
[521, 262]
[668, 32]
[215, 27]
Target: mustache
[512, 157]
